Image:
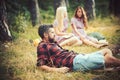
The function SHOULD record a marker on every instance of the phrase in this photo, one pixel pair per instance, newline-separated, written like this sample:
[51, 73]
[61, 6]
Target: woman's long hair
[84, 17]
[60, 16]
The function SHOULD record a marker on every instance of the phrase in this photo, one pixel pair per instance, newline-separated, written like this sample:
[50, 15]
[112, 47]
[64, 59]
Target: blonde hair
[84, 17]
[60, 16]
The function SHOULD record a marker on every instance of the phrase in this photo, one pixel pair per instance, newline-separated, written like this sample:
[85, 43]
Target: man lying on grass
[52, 57]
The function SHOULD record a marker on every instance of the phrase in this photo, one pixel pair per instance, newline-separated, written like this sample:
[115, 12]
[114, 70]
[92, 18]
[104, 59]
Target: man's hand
[53, 69]
[62, 69]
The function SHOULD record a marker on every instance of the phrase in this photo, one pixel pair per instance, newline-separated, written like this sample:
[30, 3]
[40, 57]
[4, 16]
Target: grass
[18, 58]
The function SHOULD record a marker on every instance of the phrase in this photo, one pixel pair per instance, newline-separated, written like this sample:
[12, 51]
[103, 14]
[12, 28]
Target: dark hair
[44, 29]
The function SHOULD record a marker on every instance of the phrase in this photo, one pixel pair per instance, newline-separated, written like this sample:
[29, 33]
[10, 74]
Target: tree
[5, 34]
[114, 7]
[34, 11]
[90, 9]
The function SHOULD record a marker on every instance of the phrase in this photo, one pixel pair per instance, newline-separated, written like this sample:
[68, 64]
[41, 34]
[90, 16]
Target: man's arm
[53, 69]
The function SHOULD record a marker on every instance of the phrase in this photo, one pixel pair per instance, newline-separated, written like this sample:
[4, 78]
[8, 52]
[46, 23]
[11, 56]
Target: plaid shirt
[51, 54]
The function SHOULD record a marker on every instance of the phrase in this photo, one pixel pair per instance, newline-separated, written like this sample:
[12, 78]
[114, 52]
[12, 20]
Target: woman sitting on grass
[60, 25]
[79, 22]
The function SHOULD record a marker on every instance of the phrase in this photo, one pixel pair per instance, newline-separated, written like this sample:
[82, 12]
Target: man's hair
[44, 29]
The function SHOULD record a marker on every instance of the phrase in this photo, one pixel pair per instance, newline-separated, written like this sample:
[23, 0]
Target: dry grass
[18, 59]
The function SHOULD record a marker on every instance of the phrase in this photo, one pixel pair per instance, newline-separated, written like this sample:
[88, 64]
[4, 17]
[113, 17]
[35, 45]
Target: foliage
[102, 7]
[18, 60]
[19, 23]
[21, 17]
[45, 4]
[76, 4]
[47, 16]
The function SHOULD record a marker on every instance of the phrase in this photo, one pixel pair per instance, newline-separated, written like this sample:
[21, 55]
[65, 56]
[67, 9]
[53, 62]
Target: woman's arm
[53, 69]
[76, 31]
[59, 33]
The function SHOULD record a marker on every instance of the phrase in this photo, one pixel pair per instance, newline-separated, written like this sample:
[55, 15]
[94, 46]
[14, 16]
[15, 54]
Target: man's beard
[51, 40]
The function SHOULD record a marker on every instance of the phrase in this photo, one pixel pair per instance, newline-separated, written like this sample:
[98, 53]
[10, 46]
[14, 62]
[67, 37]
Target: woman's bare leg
[78, 42]
[73, 41]
[88, 42]
[92, 43]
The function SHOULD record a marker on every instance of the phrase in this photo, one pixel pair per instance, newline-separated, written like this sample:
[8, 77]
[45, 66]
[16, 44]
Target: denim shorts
[86, 62]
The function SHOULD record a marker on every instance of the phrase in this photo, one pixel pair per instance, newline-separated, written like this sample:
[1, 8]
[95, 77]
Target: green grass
[18, 58]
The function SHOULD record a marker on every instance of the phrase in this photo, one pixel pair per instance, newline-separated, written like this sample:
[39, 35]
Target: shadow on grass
[7, 72]
[106, 75]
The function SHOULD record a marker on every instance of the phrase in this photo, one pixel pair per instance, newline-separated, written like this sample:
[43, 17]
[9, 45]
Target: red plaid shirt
[52, 54]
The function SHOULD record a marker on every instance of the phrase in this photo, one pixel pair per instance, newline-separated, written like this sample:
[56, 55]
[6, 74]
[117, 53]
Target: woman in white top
[60, 26]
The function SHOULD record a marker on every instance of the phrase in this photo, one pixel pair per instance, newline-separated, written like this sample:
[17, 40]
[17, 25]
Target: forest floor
[18, 58]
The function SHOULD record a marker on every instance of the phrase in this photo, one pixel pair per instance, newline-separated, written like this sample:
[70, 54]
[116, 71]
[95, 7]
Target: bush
[19, 22]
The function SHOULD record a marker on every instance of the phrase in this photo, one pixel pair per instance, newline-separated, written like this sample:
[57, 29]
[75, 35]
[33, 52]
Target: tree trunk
[67, 3]
[114, 7]
[5, 34]
[90, 9]
[34, 11]
[58, 3]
